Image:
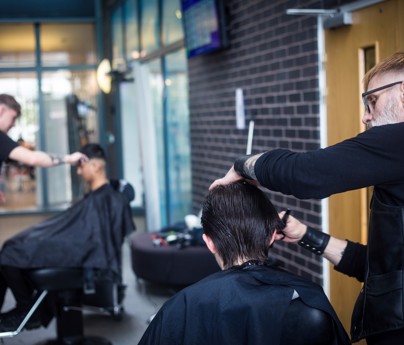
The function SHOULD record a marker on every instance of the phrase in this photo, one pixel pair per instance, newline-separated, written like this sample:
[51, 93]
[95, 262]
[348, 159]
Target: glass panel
[21, 183]
[131, 155]
[370, 57]
[172, 26]
[17, 42]
[69, 99]
[150, 26]
[156, 86]
[118, 55]
[178, 143]
[132, 33]
[68, 44]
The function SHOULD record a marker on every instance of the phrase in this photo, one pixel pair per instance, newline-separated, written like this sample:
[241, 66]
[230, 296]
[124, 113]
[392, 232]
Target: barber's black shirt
[6, 146]
[372, 158]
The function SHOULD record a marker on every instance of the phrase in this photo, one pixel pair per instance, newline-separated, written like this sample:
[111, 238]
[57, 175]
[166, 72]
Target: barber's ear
[209, 243]
[402, 92]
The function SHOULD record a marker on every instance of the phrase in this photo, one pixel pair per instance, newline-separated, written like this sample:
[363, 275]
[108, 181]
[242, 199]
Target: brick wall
[273, 58]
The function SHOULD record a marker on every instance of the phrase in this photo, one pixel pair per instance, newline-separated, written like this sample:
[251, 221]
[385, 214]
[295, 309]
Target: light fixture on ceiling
[106, 75]
[332, 18]
[104, 78]
[311, 12]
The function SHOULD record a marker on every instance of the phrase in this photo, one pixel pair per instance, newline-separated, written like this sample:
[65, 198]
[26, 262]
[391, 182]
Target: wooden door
[376, 32]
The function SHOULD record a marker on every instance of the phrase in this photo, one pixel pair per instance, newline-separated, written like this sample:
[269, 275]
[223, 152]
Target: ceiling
[20, 38]
[28, 9]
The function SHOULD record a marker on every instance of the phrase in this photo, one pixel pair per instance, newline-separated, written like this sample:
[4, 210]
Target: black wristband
[239, 167]
[315, 241]
[56, 159]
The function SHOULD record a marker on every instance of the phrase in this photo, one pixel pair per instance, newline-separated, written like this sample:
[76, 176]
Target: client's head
[93, 151]
[239, 223]
[93, 170]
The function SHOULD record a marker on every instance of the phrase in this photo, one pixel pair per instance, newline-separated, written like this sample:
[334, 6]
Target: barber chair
[68, 291]
[124, 187]
[65, 286]
[303, 325]
[63, 289]
[106, 298]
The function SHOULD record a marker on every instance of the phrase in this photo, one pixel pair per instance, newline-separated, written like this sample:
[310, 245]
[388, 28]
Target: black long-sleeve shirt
[353, 262]
[372, 158]
[6, 146]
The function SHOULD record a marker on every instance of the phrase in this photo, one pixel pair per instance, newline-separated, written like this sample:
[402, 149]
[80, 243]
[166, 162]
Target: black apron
[380, 305]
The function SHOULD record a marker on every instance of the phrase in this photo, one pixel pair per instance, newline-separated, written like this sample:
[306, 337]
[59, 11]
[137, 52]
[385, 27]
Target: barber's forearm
[335, 250]
[323, 244]
[44, 159]
[244, 166]
[36, 158]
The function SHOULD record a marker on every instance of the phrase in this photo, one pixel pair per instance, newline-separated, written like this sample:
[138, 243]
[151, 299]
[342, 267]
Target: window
[118, 49]
[67, 44]
[163, 111]
[20, 181]
[69, 99]
[177, 144]
[44, 88]
[17, 42]
[150, 26]
[131, 30]
[172, 25]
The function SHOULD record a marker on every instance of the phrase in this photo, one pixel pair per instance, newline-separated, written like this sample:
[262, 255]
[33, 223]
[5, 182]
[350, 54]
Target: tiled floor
[142, 300]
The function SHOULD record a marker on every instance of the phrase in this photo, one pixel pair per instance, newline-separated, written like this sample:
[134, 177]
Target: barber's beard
[389, 115]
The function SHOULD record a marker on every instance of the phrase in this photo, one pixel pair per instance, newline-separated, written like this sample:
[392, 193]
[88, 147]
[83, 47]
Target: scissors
[284, 220]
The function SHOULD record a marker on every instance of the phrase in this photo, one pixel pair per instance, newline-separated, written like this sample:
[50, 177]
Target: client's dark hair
[93, 151]
[9, 101]
[240, 219]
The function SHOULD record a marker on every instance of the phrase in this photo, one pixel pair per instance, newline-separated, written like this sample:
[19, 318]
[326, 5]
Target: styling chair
[62, 288]
[65, 287]
[71, 290]
[304, 325]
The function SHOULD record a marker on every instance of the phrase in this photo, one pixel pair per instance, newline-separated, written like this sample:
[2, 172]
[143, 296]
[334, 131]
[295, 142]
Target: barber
[10, 110]
[373, 158]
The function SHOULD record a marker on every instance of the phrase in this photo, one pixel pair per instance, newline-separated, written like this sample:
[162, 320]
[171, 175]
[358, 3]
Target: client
[248, 301]
[89, 234]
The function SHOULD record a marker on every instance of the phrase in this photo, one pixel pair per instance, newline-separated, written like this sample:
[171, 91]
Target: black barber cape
[88, 234]
[235, 306]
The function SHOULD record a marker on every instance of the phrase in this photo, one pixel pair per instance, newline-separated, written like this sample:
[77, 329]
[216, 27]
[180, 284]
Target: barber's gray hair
[394, 63]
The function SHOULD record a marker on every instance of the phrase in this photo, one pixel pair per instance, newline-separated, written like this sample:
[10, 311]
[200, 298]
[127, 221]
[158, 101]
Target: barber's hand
[293, 232]
[229, 178]
[75, 158]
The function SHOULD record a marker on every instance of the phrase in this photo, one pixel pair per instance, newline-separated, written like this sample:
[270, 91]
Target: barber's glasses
[368, 101]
